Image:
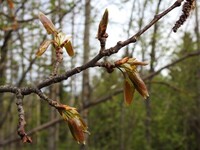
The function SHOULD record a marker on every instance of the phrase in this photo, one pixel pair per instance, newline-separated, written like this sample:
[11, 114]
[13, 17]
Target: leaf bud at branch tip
[76, 124]
[47, 23]
[103, 26]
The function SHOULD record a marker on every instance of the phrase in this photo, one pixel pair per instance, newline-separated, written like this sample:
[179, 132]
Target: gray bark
[85, 80]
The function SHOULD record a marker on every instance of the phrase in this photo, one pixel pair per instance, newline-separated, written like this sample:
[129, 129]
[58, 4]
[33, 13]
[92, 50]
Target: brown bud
[103, 26]
[48, 25]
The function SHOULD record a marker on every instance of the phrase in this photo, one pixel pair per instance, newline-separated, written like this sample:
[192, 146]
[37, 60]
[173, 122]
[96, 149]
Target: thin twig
[21, 131]
[192, 54]
[51, 102]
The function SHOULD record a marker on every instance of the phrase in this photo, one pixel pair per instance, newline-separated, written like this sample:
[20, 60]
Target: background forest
[168, 120]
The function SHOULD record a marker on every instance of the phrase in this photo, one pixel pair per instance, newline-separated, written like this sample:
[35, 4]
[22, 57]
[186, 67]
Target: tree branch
[106, 52]
[21, 131]
[8, 88]
[192, 54]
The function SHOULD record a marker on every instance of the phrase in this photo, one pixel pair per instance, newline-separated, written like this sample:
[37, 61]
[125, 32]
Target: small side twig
[106, 52]
[55, 70]
[59, 59]
[21, 131]
[107, 65]
[51, 102]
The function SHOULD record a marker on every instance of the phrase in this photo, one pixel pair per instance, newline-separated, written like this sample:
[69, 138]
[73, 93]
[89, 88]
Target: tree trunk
[198, 74]
[122, 123]
[152, 62]
[72, 62]
[3, 60]
[54, 95]
[54, 130]
[85, 79]
[3, 57]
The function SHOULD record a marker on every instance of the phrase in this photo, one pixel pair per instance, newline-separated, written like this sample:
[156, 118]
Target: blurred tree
[86, 90]
[186, 76]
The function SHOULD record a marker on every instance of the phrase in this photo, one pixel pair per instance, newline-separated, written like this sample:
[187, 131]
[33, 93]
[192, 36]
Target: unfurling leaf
[128, 91]
[69, 48]
[76, 125]
[103, 25]
[130, 69]
[76, 130]
[48, 25]
[138, 83]
[43, 47]
[133, 61]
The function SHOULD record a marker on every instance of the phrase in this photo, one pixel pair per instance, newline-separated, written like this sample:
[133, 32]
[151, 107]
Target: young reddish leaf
[128, 91]
[48, 25]
[103, 25]
[43, 47]
[69, 48]
[133, 61]
[130, 67]
[138, 83]
[76, 130]
[76, 125]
